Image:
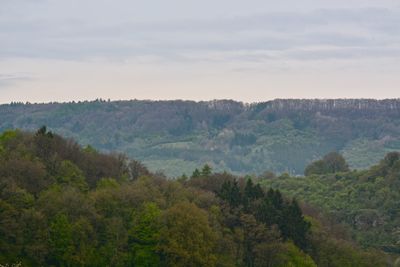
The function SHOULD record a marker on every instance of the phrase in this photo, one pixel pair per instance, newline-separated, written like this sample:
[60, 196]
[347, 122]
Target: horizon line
[186, 100]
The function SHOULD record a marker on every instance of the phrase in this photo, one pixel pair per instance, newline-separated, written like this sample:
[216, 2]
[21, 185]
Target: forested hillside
[367, 201]
[65, 205]
[177, 136]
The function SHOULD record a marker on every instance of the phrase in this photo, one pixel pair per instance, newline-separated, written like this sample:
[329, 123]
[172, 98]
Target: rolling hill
[178, 136]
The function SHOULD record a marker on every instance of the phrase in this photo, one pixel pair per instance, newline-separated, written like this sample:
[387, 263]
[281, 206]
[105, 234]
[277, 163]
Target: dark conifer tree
[196, 173]
[206, 171]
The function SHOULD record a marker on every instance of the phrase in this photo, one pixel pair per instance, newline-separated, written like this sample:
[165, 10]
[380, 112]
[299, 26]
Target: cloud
[340, 32]
[247, 50]
[8, 80]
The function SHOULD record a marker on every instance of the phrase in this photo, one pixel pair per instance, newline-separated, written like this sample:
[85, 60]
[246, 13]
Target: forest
[365, 201]
[63, 204]
[175, 137]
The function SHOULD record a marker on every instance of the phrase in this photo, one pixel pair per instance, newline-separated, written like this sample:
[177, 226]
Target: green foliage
[105, 183]
[58, 207]
[331, 163]
[70, 174]
[6, 136]
[60, 241]
[295, 257]
[177, 136]
[187, 240]
[196, 173]
[230, 192]
[144, 235]
[206, 171]
[366, 201]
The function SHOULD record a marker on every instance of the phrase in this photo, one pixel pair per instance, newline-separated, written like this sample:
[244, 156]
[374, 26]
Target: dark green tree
[144, 236]
[60, 241]
[230, 192]
[206, 171]
[252, 191]
[331, 163]
[294, 226]
[196, 173]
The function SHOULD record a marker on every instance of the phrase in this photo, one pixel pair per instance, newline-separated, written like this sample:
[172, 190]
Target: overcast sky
[254, 50]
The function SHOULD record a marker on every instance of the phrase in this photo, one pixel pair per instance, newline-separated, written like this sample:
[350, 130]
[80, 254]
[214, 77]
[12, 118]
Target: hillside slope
[177, 136]
[367, 201]
[64, 205]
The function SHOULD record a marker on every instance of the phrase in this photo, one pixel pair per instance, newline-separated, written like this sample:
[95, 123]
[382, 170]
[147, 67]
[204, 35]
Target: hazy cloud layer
[367, 32]
[227, 36]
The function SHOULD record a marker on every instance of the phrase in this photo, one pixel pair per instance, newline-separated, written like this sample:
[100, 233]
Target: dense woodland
[66, 205]
[176, 137]
[367, 201]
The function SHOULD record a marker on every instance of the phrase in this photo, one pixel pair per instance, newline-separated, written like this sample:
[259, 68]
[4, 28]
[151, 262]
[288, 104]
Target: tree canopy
[65, 205]
[331, 163]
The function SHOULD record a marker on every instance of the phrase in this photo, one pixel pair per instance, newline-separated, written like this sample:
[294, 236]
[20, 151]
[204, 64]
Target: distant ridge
[334, 103]
[281, 135]
[279, 103]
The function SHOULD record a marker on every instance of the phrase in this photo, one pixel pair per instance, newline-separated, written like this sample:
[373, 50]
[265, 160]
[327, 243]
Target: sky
[251, 51]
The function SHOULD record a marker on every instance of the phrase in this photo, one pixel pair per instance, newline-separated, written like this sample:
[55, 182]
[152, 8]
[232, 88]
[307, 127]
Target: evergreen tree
[196, 173]
[294, 226]
[230, 192]
[252, 191]
[206, 171]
